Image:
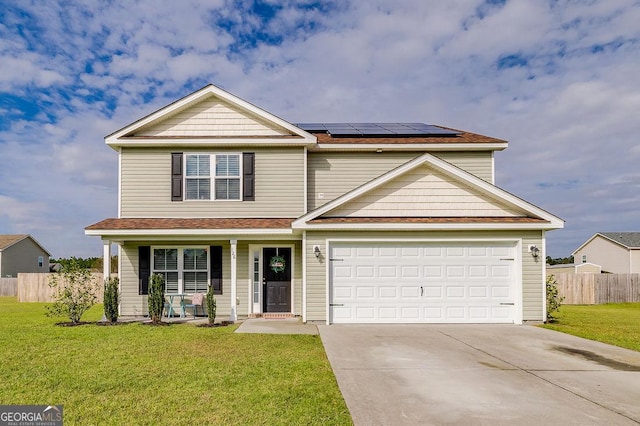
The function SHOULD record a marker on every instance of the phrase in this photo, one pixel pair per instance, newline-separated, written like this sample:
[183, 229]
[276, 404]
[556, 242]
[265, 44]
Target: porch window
[185, 270]
[196, 266]
[165, 263]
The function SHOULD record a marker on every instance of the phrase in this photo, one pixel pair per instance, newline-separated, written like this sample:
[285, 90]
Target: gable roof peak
[114, 139]
[627, 239]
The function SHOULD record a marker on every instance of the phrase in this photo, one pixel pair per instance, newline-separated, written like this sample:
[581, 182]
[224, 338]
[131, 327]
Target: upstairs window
[198, 179]
[226, 177]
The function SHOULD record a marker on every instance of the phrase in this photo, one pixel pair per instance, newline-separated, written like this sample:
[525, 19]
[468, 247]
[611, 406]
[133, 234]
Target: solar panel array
[372, 130]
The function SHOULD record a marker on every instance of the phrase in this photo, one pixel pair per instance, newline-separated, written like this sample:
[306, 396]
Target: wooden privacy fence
[595, 289]
[8, 286]
[34, 287]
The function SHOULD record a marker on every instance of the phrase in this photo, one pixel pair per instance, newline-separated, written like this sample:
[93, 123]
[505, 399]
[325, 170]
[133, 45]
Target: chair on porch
[196, 301]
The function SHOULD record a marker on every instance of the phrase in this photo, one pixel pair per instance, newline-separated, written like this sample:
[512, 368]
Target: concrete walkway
[276, 326]
[481, 374]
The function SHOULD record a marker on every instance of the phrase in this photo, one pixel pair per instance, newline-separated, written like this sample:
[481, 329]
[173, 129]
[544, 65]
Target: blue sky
[557, 79]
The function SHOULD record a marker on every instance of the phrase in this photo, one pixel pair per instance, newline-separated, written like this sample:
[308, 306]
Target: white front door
[439, 282]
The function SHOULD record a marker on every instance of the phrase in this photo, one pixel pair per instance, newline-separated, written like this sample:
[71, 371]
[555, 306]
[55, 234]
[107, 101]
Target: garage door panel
[476, 292]
[387, 272]
[410, 252]
[435, 271]
[455, 291]
[343, 271]
[478, 252]
[479, 313]
[422, 282]
[478, 271]
[500, 271]
[410, 271]
[432, 251]
[388, 292]
[388, 313]
[365, 271]
[432, 292]
[368, 292]
[434, 313]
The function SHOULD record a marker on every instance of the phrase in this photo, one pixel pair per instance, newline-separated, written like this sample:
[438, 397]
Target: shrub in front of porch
[111, 299]
[74, 292]
[211, 306]
[156, 297]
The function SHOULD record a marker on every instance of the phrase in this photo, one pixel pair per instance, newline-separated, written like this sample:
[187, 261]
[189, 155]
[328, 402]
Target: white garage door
[472, 282]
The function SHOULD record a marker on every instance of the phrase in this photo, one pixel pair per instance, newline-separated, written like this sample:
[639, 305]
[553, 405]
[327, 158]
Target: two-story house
[334, 222]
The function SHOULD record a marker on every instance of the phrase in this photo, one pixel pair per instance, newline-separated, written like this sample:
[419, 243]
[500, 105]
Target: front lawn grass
[614, 323]
[178, 374]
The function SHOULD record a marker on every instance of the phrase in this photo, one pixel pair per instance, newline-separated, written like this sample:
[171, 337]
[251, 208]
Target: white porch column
[234, 314]
[106, 259]
[106, 265]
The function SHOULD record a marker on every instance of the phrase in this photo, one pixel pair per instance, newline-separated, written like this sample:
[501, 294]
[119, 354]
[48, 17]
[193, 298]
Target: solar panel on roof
[377, 129]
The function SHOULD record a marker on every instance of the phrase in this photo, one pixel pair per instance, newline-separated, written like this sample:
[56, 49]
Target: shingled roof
[627, 239]
[7, 240]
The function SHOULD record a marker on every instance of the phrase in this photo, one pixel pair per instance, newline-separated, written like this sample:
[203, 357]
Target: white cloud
[567, 100]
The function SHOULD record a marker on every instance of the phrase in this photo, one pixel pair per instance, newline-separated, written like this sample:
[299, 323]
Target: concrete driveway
[481, 374]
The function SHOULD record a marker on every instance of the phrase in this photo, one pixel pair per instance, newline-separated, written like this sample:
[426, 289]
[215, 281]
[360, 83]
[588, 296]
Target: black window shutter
[216, 269]
[144, 269]
[248, 176]
[176, 176]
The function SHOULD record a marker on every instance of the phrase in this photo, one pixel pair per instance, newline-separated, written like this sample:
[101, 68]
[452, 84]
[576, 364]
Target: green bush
[74, 292]
[111, 299]
[211, 306]
[553, 298]
[156, 297]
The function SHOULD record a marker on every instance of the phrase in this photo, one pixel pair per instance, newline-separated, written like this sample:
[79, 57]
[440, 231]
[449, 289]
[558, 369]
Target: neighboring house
[571, 268]
[616, 252]
[22, 253]
[351, 223]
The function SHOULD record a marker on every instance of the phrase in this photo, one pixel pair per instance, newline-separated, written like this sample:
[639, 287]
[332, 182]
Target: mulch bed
[72, 324]
[218, 324]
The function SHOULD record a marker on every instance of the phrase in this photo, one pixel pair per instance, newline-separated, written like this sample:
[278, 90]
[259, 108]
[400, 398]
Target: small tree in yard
[74, 292]
[211, 306]
[111, 299]
[156, 297]
[553, 298]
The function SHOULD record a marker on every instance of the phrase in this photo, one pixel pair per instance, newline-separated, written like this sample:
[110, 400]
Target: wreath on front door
[277, 264]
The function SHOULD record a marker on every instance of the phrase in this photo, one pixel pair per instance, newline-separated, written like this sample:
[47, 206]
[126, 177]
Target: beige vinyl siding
[611, 256]
[532, 270]
[23, 257]
[212, 117]
[331, 174]
[424, 192]
[478, 163]
[146, 186]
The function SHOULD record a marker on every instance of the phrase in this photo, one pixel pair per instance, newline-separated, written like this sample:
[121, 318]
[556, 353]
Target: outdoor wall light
[316, 251]
[535, 251]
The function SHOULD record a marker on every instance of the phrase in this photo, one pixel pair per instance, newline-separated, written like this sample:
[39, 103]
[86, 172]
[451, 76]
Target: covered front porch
[254, 272]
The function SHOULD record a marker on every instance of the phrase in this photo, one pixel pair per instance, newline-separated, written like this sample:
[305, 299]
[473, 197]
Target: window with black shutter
[176, 176]
[216, 269]
[248, 176]
[144, 269]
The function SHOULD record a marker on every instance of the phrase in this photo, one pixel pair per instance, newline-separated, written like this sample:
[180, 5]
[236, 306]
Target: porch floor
[276, 326]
